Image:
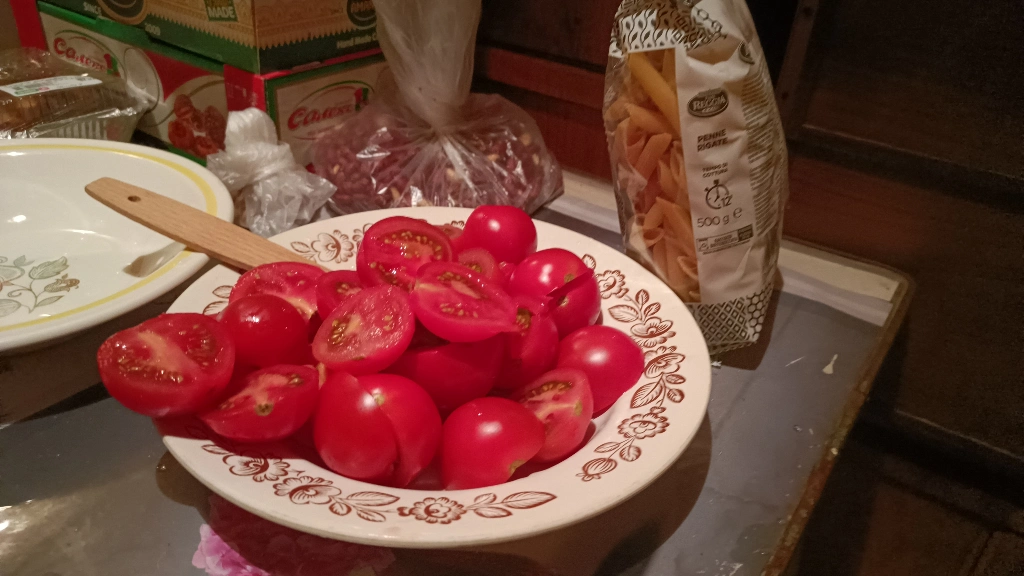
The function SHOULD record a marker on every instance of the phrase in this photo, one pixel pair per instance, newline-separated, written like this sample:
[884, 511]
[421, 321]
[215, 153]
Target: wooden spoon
[197, 230]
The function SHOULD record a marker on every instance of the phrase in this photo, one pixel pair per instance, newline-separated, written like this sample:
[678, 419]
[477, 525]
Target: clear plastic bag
[272, 192]
[42, 95]
[425, 140]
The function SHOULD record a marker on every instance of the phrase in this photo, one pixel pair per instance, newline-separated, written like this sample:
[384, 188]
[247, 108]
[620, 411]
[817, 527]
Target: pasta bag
[698, 156]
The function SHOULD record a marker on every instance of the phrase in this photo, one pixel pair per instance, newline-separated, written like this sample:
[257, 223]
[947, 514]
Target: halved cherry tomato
[293, 281]
[454, 234]
[351, 432]
[611, 360]
[506, 232]
[563, 277]
[369, 331]
[453, 374]
[272, 404]
[395, 248]
[333, 288]
[415, 420]
[485, 440]
[459, 305]
[563, 402]
[266, 330]
[481, 262]
[171, 365]
[533, 349]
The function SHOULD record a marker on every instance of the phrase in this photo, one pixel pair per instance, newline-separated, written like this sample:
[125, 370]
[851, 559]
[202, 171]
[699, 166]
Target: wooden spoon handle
[199, 231]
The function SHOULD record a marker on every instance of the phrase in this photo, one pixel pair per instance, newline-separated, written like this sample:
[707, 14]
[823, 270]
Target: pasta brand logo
[708, 103]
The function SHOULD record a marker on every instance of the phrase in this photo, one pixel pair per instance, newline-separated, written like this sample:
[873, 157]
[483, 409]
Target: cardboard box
[191, 95]
[258, 36]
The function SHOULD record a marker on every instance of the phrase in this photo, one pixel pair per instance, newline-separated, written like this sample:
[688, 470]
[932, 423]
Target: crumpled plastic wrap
[272, 192]
[425, 140]
[43, 96]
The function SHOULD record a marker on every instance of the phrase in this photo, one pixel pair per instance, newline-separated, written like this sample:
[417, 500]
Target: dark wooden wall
[907, 142]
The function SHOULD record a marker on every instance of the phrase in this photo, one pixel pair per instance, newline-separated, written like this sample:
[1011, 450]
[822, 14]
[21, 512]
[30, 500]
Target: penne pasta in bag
[698, 157]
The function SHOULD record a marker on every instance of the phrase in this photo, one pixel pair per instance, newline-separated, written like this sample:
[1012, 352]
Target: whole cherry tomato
[611, 360]
[266, 330]
[485, 440]
[506, 232]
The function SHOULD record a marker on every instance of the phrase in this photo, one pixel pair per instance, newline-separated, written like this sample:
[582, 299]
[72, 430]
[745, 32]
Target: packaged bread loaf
[45, 96]
[698, 157]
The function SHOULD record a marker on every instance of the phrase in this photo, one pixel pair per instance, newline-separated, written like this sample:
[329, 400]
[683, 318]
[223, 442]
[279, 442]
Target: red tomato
[560, 275]
[506, 232]
[562, 400]
[576, 305]
[369, 331]
[293, 281]
[272, 404]
[505, 271]
[453, 374]
[171, 365]
[481, 262]
[454, 234]
[423, 338]
[542, 273]
[485, 440]
[611, 360]
[414, 418]
[333, 288]
[533, 349]
[266, 330]
[459, 305]
[351, 432]
[395, 248]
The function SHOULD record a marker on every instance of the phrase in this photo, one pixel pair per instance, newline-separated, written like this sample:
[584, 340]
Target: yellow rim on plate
[204, 187]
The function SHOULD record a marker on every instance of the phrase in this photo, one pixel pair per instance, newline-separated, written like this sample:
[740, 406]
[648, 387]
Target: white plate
[643, 433]
[62, 254]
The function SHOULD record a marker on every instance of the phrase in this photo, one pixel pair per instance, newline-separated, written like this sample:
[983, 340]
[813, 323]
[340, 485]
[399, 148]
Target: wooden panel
[935, 78]
[560, 81]
[573, 30]
[963, 365]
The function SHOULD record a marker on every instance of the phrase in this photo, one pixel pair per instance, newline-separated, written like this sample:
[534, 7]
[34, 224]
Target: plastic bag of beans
[425, 140]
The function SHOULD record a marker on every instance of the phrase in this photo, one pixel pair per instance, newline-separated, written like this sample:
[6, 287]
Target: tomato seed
[263, 408]
[524, 318]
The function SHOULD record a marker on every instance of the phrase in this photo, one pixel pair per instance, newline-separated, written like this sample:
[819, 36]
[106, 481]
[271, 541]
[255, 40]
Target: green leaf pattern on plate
[18, 291]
